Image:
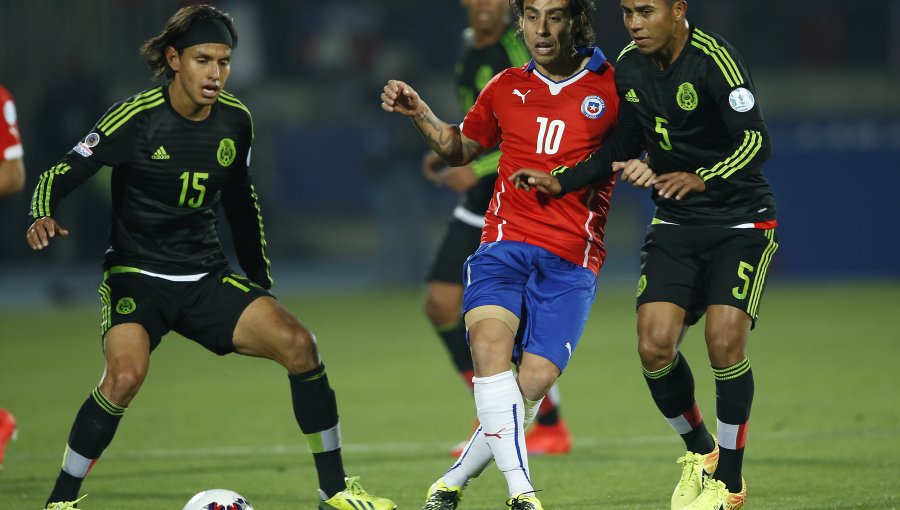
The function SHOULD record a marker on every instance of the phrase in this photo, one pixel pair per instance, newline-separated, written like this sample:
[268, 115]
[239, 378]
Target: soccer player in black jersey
[687, 98]
[490, 46]
[177, 152]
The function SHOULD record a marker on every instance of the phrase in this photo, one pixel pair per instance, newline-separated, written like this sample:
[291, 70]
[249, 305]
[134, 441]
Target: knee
[297, 349]
[725, 347]
[656, 348]
[440, 308]
[121, 383]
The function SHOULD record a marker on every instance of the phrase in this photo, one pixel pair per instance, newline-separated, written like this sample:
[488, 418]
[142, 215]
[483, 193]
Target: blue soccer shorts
[551, 296]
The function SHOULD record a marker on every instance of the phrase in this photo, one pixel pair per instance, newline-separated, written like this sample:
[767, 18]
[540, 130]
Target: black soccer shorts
[694, 267]
[460, 240]
[205, 311]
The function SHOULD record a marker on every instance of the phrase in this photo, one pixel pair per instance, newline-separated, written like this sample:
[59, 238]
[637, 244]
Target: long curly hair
[581, 12]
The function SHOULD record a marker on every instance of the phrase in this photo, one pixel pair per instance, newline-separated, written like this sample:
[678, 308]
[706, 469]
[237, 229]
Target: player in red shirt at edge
[530, 286]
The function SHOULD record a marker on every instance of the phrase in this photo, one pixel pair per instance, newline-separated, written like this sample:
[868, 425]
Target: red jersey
[542, 124]
[10, 143]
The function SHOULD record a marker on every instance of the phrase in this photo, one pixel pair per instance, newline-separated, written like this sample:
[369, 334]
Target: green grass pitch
[824, 434]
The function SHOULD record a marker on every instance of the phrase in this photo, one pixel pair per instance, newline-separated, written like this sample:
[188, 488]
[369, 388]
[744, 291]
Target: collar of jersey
[594, 64]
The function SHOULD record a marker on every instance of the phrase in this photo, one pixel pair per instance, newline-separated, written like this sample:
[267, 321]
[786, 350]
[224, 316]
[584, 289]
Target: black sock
[93, 430]
[454, 337]
[548, 413]
[315, 408]
[734, 396]
[672, 388]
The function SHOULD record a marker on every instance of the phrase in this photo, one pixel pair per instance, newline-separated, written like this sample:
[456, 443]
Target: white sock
[554, 395]
[531, 410]
[501, 410]
[475, 457]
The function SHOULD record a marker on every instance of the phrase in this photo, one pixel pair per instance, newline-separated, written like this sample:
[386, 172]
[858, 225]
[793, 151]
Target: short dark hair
[578, 9]
[154, 49]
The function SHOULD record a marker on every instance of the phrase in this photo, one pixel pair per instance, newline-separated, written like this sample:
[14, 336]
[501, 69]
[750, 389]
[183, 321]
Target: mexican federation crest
[687, 96]
[226, 152]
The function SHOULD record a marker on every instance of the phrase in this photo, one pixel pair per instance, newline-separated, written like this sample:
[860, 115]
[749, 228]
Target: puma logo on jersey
[631, 97]
[516, 92]
[160, 153]
[569, 348]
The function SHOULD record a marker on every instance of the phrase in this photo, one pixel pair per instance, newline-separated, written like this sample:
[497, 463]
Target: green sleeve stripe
[123, 109]
[229, 99]
[721, 50]
[515, 49]
[560, 169]
[743, 155]
[111, 128]
[751, 146]
[262, 234]
[626, 49]
[123, 269]
[761, 269]
[40, 202]
[486, 164]
[720, 55]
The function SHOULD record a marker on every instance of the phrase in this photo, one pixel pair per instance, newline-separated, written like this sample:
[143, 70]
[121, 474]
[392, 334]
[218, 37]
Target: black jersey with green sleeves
[701, 114]
[474, 69]
[169, 175]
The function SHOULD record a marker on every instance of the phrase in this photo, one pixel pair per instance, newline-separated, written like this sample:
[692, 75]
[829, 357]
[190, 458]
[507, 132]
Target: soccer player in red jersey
[530, 286]
[12, 170]
[12, 179]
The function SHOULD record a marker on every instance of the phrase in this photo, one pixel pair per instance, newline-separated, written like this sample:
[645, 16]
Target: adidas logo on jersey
[631, 97]
[160, 153]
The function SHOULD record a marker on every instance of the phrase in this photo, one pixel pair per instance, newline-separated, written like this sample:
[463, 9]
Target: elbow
[12, 177]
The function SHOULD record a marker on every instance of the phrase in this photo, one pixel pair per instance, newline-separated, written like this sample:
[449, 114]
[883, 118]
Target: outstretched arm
[444, 139]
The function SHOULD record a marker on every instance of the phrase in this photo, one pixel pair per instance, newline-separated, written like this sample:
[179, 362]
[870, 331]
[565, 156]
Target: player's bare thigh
[127, 351]
[492, 332]
[267, 329]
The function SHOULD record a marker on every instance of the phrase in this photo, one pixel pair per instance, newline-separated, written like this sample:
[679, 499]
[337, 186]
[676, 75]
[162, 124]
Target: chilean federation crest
[593, 107]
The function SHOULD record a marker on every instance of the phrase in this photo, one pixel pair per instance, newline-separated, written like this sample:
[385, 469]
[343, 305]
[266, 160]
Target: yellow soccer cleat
[716, 497]
[65, 505]
[695, 469]
[354, 497]
[524, 502]
[442, 497]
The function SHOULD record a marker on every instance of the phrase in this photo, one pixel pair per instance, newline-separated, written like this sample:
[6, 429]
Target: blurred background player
[491, 45]
[12, 167]
[12, 180]
[530, 286]
[177, 152]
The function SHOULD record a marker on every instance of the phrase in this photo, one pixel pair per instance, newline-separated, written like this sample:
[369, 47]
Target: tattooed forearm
[445, 139]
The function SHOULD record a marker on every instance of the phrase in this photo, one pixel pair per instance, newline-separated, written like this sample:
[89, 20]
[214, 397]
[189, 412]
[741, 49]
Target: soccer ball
[218, 499]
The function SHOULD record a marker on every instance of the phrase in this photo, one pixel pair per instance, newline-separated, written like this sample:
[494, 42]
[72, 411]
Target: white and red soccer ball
[217, 499]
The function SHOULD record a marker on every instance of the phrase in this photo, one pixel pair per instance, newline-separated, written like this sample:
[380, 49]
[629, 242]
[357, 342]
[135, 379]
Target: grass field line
[436, 446]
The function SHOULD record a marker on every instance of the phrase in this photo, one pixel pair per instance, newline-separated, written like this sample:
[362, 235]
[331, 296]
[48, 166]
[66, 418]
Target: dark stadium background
[343, 201]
